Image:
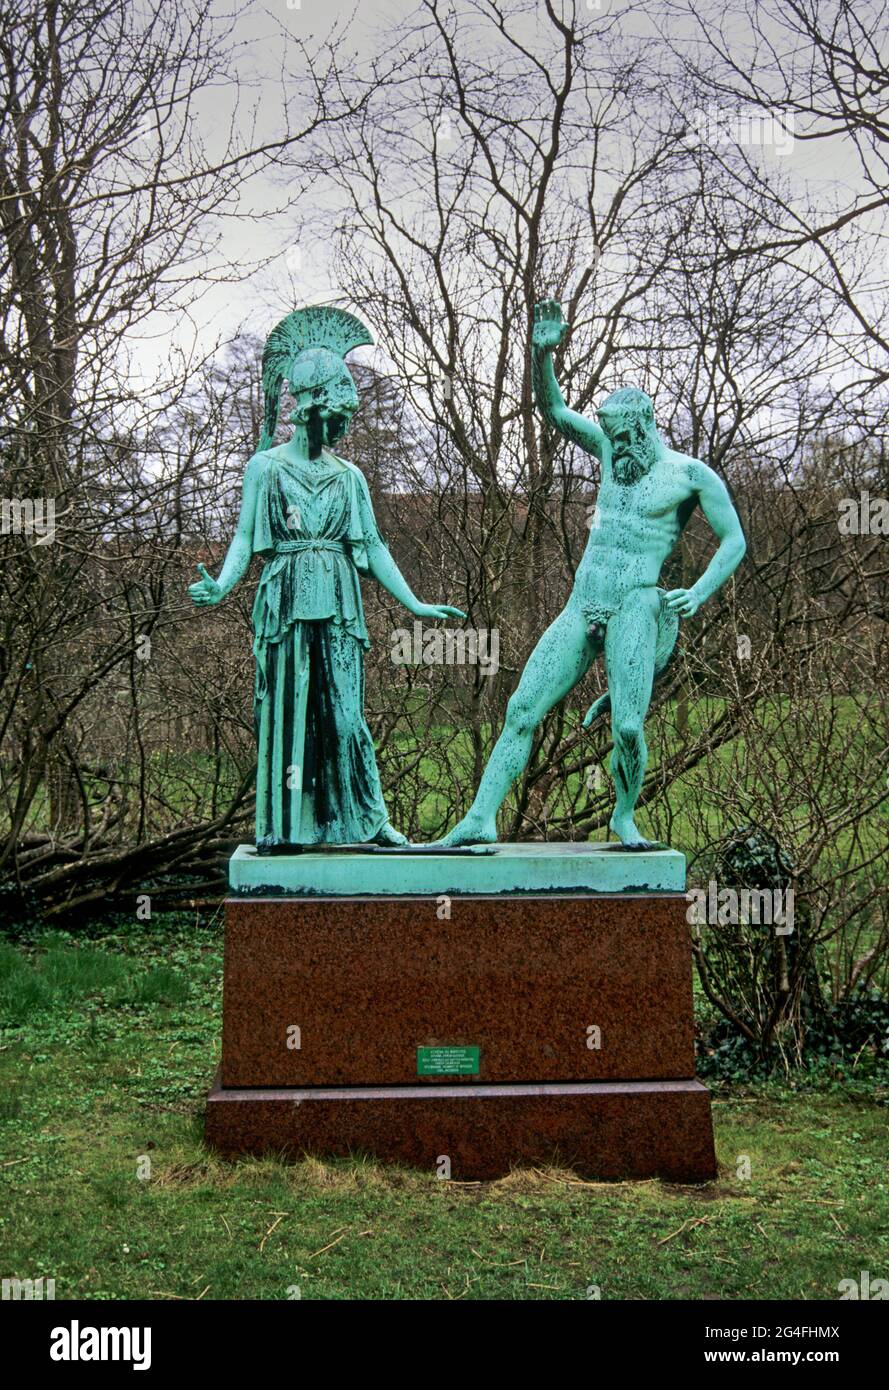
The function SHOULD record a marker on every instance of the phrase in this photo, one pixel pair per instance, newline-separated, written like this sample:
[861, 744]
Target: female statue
[308, 513]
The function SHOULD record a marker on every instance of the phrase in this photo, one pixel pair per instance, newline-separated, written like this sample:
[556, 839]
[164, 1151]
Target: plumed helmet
[308, 347]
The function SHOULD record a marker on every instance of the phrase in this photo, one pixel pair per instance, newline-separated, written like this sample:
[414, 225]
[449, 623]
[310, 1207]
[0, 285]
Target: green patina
[308, 514]
[646, 495]
[417, 871]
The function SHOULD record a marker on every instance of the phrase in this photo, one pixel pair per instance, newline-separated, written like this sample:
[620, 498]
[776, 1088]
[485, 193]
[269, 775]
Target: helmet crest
[308, 347]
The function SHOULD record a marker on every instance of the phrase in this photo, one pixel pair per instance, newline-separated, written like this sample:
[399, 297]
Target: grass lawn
[107, 1189]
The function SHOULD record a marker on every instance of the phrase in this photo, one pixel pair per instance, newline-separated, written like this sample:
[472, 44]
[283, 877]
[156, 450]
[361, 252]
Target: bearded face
[633, 444]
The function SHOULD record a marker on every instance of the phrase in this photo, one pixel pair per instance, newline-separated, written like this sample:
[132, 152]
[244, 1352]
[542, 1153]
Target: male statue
[646, 495]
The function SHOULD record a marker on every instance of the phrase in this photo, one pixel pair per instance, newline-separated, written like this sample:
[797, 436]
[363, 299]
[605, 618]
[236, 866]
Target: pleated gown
[317, 780]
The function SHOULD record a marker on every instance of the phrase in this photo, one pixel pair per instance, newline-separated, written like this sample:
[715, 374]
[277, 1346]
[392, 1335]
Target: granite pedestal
[545, 1021]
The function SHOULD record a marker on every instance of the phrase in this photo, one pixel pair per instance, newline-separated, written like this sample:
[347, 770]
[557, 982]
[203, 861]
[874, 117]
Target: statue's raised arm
[550, 328]
[616, 608]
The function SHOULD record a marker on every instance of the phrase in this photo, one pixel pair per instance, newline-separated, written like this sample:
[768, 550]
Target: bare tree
[499, 158]
[543, 153]
[111, 201]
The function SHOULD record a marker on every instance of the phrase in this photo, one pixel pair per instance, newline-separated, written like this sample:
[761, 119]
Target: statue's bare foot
[624, 828]
[469, 831]
[390, 836]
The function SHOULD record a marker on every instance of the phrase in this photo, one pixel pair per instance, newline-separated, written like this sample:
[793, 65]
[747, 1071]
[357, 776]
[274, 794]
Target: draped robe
[317, 779]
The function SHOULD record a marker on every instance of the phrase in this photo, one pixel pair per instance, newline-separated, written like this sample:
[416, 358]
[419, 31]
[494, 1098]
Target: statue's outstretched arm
[548, 331]
[208, 590]
[384, 569]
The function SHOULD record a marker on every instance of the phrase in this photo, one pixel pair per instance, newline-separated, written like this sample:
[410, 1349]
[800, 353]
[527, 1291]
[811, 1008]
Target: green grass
[110, 1052]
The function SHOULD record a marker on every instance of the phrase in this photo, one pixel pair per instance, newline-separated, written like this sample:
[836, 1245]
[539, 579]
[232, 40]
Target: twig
[698, 1221]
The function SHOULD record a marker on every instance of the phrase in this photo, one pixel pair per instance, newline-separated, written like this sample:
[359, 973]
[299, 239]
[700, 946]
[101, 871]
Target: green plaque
[447, 1061]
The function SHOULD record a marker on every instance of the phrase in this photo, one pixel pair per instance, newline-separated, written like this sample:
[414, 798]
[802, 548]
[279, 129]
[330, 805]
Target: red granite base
[604, 1130]
[573, 1015]
[549, 988]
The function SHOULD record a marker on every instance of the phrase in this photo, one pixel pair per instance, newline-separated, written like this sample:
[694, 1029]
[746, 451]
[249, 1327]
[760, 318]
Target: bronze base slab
[605, 1130]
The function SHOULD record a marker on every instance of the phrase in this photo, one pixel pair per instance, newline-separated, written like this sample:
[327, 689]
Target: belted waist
[289, 547]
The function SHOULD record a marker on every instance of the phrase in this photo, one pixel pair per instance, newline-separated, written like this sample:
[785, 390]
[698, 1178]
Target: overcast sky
[368, 27]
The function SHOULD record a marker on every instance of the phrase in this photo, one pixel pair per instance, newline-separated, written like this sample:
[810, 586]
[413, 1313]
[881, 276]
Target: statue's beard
[633, 454]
